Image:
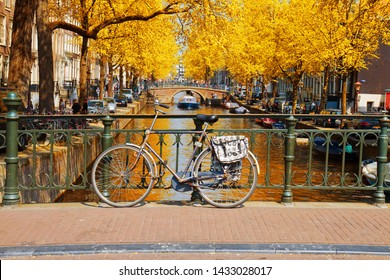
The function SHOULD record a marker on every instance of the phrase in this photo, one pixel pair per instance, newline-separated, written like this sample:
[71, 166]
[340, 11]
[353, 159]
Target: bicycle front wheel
[225, 186]
[119, 179]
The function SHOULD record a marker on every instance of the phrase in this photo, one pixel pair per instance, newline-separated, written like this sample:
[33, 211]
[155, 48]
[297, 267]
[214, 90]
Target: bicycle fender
[256, 162]
[148, 155]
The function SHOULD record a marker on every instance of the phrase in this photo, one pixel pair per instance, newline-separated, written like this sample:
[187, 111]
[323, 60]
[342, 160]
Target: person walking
[76, 107]
[62, 106]
[85, 107]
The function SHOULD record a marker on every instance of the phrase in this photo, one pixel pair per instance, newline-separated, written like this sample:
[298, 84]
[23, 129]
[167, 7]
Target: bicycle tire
[223, 192]
[119, 180]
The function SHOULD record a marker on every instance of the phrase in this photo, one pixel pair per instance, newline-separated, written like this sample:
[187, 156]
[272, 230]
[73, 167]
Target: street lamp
[357, 91]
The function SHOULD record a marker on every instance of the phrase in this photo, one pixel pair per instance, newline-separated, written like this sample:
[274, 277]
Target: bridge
[167, 94]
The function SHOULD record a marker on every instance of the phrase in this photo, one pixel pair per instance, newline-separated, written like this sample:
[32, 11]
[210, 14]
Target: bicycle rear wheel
[121, 181]
[229, 189]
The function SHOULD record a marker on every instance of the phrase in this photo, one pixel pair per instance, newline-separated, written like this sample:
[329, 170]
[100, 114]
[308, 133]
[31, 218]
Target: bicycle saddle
[207, 118]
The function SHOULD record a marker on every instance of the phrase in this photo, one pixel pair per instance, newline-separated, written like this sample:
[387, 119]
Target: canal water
[275, 165]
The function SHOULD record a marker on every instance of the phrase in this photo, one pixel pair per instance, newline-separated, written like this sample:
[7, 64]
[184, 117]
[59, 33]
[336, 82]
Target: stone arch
[202, 98]
[167, 94]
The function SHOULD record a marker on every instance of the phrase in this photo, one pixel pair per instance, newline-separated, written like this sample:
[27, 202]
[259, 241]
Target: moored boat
[267, 122]
[259, 121]
[239, 110]
[335, 150]
[213, 102]
[278, 125]
[188, 102]
[369, 171]
[231, 105]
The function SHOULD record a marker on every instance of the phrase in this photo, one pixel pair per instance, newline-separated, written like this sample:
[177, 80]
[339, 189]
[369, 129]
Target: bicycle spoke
[118, 181]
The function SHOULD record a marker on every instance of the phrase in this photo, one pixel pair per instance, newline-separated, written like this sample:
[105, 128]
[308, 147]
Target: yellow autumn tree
[144, 48]
[202, 34]
[250, 45]
[89, 17]
[351, 32]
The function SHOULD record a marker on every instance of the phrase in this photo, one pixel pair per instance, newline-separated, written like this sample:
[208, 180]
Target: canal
[274, 164]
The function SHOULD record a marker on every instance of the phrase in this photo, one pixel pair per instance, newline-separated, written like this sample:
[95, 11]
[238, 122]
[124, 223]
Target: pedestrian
[85, 107]
[62, 106]
[76, 107]
[30, 107]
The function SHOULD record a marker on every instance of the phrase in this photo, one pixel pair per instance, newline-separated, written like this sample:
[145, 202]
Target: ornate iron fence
[58, 151]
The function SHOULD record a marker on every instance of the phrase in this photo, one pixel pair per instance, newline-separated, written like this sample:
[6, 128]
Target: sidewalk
[258, 227]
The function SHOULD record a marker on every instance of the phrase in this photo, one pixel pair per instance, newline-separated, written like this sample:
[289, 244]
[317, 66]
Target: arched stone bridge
[166, 94]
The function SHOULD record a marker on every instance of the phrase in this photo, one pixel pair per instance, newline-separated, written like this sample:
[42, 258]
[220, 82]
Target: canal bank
[65, 162]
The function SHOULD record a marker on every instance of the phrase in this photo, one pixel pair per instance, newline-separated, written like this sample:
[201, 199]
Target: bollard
[107, 137]
[106, 143]
[11, 192]
[383, 139]
[287, 196]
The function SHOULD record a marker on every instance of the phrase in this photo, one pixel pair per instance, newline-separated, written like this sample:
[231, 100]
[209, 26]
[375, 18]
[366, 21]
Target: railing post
[11, 192]
[287, 196]
[107, 137]
[106, 143]
[383, 140]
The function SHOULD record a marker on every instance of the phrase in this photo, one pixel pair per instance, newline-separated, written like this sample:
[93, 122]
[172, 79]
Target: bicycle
[123, 175]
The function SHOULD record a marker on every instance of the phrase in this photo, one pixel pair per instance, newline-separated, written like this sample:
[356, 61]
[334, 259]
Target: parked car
[97, 106]
[129, 94]
[111, 104]
[256, 98]
[326, 121]
[121, 100]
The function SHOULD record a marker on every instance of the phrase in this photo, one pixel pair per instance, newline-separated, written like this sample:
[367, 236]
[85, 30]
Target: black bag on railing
[228, 154]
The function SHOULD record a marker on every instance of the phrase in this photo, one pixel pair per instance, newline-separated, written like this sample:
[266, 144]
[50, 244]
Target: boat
[369, 171]
[259, 121]
[335, 149]
[213, 102]
[278, 125]
[188, 102]
[267, 122]
[231, 105]
[239, 110]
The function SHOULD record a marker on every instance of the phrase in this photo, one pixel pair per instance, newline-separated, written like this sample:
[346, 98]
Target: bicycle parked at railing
[224, 173]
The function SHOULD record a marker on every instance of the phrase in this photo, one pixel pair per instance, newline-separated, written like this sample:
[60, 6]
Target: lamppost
[357, 91]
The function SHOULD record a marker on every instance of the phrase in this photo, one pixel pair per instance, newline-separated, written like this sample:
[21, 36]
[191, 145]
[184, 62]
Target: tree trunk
[110, 77]
[344, 94]
[83, 69]
[21, 60]
[274, 88]
[45, 58]
[324, 89]
[120, 78]
[102, 76]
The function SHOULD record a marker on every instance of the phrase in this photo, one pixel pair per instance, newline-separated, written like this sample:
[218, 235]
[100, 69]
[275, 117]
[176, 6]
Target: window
[10, 32]
[2, 30]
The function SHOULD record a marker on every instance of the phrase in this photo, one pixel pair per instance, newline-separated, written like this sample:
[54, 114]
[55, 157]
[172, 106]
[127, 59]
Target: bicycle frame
[145, 146]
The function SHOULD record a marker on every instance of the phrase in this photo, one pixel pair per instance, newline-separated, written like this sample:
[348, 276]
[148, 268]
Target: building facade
[6, 20]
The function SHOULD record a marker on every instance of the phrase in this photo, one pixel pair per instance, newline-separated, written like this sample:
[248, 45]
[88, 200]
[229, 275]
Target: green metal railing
[59, 159]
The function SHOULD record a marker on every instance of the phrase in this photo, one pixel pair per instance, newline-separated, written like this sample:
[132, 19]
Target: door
[370, 105]
[387, 101]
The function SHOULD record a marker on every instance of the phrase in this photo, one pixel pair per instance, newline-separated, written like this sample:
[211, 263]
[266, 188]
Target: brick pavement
[257, 226]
